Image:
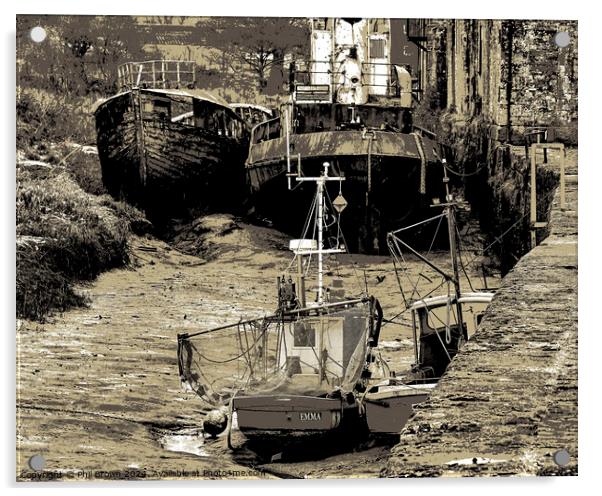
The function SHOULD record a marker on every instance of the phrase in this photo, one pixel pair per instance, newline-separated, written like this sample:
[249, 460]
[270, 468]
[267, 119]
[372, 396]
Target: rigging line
[353, 263]
[442, 345]
[248, 354]
[436, 317]
[330, 206]
[499, 238]
[392, 319]
[395, 239]
[405, 301]
[236, 357]
[305, 229]
[337, 220]
[310, 214]
[414, 284]
[465, 174]
[430, 219]
[227, 326]
[447, 308]
[461, 260]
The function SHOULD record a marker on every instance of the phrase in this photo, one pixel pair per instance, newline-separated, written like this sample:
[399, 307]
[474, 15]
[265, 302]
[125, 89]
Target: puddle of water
[184, 441]
[475, 461]
[393, 345]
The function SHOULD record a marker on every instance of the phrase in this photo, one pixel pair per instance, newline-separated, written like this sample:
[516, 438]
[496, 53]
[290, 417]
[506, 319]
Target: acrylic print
[295, 247]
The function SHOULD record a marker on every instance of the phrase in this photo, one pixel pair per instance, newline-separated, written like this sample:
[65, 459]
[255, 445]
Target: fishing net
[306, 352]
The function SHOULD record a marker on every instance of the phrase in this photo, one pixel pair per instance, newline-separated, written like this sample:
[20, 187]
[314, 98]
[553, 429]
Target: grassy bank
[64, 236]
[68, 230]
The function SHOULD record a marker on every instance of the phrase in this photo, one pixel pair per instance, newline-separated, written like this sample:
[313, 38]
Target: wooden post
[562, 166]
[533, 195]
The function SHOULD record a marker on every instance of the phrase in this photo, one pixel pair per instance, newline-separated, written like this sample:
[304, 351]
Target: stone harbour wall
[508, 402]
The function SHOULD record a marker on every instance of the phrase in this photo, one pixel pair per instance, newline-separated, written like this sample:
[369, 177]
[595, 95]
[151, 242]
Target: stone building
[510, 73]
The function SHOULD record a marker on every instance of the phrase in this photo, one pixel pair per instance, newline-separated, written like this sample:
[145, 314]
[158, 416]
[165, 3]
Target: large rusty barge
[167, 146]
[351, 107]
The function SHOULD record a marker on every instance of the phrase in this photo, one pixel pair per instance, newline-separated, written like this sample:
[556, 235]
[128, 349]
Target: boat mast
[451, 227]
[320, 200]
[320, 251]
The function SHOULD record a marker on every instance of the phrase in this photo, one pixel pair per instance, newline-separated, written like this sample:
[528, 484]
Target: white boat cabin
[437, 332]
[325, 350]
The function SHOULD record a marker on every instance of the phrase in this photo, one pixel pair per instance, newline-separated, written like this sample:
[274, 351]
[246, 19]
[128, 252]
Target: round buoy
[216, 421]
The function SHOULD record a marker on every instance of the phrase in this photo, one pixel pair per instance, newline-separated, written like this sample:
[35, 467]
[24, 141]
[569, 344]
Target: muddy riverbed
[98, 392]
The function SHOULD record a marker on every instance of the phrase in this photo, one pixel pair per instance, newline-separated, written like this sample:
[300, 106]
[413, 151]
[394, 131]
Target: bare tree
[256, 43]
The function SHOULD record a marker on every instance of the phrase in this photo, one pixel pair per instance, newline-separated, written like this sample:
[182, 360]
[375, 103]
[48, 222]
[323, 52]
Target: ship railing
[157, 74]
[266, 130]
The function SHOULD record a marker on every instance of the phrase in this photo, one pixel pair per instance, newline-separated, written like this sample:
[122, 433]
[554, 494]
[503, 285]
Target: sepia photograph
[295, 247]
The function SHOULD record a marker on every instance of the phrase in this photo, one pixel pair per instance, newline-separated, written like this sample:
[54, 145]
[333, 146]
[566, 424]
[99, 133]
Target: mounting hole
[562, 457]
[562, 39]
[38, 34]
[37, 462]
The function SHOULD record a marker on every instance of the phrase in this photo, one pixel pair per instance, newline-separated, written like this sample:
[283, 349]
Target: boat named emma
[313, 370]
[296, 374]
[169, 147]
[350, 106]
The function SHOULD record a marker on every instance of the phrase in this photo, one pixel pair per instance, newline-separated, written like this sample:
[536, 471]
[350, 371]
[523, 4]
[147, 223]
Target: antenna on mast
[311, 247]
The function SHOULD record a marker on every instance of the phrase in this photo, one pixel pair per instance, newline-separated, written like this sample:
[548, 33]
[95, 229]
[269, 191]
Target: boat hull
[387, 183]
[166, 167]
[286, 421]
[388, 410]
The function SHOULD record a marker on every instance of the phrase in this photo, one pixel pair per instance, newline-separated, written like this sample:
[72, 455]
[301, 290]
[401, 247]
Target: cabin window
[377, 48]
[181, 111]
[437, 318]
[304, 335]
[158, 107]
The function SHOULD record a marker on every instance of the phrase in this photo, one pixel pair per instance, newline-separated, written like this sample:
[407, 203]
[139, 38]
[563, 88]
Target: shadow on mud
[191, 440]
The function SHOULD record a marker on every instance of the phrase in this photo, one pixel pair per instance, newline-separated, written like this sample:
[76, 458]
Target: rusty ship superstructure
[169, 147]
[350, 106]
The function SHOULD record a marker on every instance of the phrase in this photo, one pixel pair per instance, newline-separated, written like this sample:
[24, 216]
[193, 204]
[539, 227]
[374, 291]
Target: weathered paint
[164, 164]
[338, 143]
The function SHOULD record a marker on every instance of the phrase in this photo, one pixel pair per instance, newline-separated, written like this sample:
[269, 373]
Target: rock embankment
[508, 402]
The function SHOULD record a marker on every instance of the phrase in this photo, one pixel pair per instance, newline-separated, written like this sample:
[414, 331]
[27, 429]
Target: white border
[589, 222]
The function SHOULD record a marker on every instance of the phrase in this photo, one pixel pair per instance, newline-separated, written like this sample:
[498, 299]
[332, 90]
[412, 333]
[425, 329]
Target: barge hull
[166, 168]
[387, 183]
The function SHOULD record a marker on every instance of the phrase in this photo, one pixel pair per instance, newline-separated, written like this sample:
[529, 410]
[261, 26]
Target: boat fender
[216, 421]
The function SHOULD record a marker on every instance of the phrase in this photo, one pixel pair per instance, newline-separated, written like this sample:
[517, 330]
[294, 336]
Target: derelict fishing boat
[252, 114]
[297, 373]
[167, 146]
[352, 107]
[440, 324]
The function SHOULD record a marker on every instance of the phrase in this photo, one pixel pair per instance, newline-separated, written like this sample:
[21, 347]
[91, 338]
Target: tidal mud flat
[98, 391]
